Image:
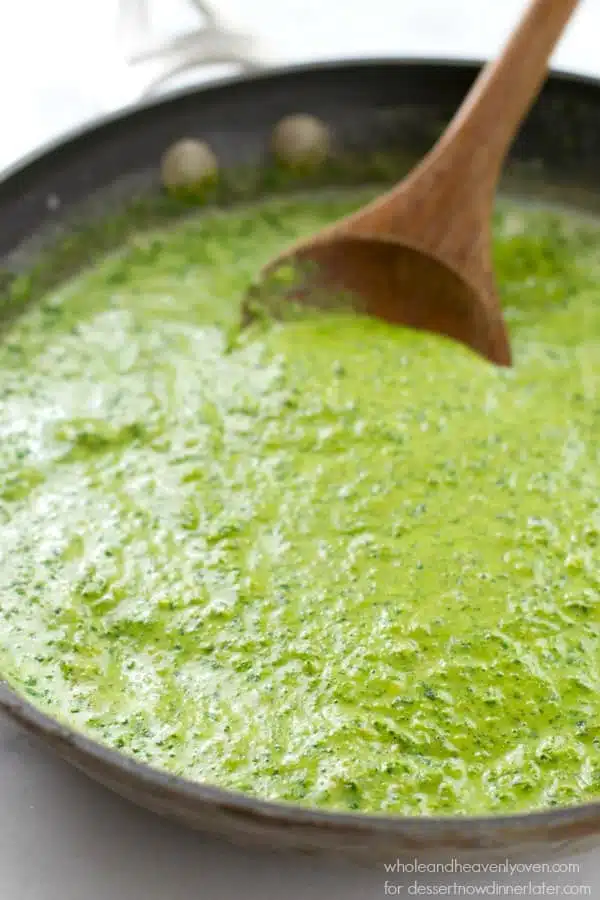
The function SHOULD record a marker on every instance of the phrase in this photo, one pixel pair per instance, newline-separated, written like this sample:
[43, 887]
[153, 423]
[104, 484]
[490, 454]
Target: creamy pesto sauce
[332, 562]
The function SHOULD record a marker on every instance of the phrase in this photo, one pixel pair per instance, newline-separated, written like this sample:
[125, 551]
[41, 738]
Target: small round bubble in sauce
[301, 141]
[189, 165]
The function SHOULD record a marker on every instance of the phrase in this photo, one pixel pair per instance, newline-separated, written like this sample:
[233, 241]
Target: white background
[62, 837]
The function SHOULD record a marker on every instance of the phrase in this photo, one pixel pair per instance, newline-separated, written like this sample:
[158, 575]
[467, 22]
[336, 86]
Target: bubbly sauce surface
[330, 561]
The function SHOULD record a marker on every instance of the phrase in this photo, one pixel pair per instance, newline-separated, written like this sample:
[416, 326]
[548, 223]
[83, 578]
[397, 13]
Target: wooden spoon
[420, 255]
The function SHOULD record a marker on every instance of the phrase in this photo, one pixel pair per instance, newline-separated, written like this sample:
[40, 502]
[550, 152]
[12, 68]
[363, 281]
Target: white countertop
[61, 836]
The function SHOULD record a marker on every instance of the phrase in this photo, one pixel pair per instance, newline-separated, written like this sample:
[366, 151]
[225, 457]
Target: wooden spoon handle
[446, 201]
[487, 122]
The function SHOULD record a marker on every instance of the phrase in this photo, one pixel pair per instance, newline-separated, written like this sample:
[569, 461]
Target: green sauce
[330, 562]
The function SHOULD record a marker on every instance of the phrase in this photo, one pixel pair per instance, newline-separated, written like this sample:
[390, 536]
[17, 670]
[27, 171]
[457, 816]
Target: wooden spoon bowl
[389, 280]
[420, 255]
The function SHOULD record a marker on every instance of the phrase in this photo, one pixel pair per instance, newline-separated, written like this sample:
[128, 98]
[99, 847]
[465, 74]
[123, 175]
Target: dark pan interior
[383, 116]
[372, 107]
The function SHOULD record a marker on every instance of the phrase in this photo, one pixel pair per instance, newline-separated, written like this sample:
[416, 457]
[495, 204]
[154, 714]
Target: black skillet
[383, 115]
